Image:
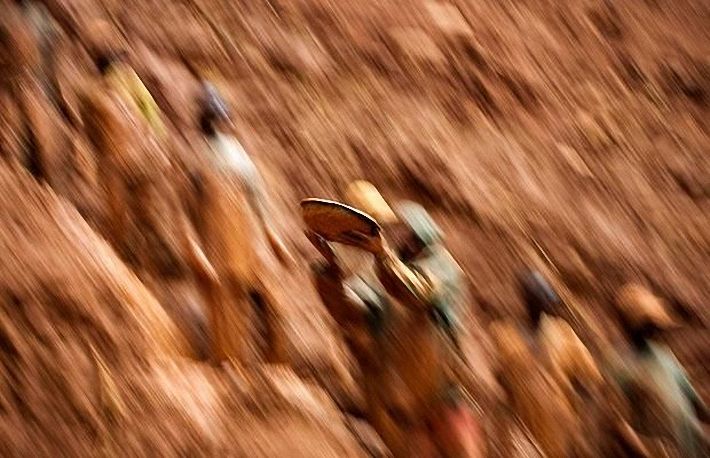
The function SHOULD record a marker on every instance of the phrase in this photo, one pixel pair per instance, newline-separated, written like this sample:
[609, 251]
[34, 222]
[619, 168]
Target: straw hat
[639, 306]
[364, 196]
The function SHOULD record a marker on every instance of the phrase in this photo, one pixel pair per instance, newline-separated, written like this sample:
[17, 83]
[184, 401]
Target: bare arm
[197, 259]
[630, 441]
[617, 412]
[258, 202]
[701, 410]
[410, 287]
[343, 304]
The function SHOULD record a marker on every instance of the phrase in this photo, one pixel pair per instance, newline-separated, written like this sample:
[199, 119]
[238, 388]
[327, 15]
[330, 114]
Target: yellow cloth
[124, 79]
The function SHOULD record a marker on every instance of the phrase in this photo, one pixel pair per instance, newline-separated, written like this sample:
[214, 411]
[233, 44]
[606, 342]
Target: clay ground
[568, 136]
[572, 136]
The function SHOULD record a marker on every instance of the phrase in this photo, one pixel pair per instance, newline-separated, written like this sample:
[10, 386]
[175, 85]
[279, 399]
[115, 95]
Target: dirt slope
[571, 136]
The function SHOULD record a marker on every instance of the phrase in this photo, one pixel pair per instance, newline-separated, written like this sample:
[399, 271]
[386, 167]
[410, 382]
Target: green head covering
[420, 222]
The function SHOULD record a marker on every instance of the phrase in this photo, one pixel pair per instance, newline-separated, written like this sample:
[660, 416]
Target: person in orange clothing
[541, 365]
[569, 360]
[401, 326]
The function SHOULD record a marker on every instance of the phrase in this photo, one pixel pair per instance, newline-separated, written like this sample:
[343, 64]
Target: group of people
[399, 319]
[220, 235]
[399, 312]
[399, 315]
[195, 230]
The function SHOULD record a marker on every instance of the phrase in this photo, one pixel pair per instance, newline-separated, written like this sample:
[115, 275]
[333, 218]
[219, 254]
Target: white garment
[234, 239]
[230, 156]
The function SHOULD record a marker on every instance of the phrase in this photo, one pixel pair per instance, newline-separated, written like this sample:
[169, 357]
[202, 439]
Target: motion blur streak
[319, 228]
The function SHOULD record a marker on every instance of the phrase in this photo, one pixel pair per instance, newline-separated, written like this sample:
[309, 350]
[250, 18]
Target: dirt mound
[53, 260]
[570, 136]
[64, 295]
[88, 357]
[182, 409]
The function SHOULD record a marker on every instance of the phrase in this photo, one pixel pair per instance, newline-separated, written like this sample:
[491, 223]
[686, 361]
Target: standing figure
[541, 366]
[47, 36]
[19, 54]
[358, 306]
[145, 221]
[19, 59]
[663, 404]
[111, 59]
[240, 242]
[421, 391]
[401, 327]
[51, 153]
[566, 356]
[352, 295]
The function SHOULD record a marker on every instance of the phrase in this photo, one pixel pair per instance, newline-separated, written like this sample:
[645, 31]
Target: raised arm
[412, 288]
[343, 304]
[259, 204]
[200, 265]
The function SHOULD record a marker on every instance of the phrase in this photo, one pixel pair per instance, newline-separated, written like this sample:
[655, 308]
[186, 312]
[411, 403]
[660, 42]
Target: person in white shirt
[240, 242]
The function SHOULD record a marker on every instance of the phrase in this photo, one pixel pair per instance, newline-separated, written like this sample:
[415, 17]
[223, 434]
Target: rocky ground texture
[569, 136]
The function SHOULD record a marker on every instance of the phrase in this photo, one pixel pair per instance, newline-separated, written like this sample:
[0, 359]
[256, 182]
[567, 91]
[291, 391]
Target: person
[535, 413]
[111, 59]
[354, 298]
[145, 220]
[46, 35]
[240, 241]
[19, 53]
[568, 358]
[358, 306]
[663, 404]
[412, 396]
[541, 366]
[229, 154]
[426, 281]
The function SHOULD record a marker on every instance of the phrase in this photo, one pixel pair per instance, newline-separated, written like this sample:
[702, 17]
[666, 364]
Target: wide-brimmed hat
[364, 196]
[640, 307]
